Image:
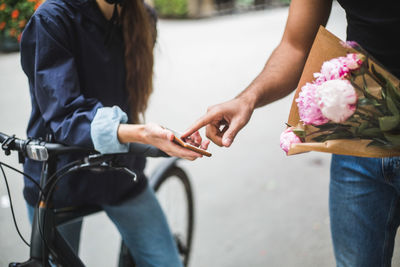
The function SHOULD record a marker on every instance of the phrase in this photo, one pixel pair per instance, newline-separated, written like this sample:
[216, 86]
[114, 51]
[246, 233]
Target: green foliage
[388, 123]
[300, 133]
[14, 14]
[245, 2]
[171, 8]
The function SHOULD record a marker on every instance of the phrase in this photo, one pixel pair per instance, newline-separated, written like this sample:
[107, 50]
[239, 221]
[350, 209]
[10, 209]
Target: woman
[89, 65]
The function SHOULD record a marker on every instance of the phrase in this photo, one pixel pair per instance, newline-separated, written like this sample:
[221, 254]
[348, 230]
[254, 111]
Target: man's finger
[213, 133]
[203, 121]
[230, 133]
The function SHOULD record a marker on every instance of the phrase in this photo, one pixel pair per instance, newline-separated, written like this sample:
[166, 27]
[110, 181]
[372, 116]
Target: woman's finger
[178, 151]
[204, 144]
[197, 138]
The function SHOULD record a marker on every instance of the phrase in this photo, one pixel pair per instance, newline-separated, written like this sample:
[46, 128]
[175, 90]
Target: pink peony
[349, 44]
[332, 70]
[337, 100]
[287, 138]
[309, 110]
[353, 61]
[338, 68]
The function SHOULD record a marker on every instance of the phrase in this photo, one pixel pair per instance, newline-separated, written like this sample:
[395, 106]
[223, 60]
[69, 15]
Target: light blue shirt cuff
[103, 130]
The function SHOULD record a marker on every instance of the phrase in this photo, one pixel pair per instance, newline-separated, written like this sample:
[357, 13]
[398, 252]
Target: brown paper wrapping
[325, 47]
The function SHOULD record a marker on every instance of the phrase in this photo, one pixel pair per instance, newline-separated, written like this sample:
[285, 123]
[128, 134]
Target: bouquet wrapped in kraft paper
[345, 103]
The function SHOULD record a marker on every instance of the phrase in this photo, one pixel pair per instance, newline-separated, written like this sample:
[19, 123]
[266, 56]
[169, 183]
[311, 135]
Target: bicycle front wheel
[175, 195]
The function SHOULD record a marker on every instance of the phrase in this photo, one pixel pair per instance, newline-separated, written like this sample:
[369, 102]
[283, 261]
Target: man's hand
[279, 77]
[224, 121]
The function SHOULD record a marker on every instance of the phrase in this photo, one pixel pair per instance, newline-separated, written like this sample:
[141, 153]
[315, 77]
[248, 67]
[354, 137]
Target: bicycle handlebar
[139, 149]
[39, 150]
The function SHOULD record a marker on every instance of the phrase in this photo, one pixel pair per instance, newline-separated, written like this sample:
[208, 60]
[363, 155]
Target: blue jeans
[143, 227]
[364, 209]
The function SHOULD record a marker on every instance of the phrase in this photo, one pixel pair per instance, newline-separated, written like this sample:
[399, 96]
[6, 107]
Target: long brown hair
[139, 37]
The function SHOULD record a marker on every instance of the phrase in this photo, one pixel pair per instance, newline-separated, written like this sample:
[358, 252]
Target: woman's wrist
[131, 133]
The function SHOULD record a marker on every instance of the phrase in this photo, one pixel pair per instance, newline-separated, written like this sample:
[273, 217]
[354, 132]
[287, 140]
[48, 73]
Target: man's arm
[282, 71]
[278, 78]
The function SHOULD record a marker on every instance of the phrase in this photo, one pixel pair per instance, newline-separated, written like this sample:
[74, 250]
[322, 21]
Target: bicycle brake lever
[98, 158]
[104, 161]
[129, 172]
[6, 145]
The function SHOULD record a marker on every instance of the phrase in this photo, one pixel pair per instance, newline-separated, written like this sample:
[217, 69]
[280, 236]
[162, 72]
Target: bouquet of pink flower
[350, 98]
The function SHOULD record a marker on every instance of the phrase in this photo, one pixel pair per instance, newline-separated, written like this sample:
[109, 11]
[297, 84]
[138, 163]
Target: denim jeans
[364, 209]
[143, 227]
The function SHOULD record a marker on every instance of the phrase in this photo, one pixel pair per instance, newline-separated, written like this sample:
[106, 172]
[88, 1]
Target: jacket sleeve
[48, 60]
[104, 130]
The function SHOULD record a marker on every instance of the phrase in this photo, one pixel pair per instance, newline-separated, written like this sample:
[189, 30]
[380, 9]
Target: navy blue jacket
[71, 74]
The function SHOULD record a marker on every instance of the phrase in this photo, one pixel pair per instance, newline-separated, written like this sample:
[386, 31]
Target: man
[364, 192]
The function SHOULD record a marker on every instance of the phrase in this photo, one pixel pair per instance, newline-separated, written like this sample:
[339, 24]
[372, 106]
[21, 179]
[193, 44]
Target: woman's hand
[154, 134]
[163, 139]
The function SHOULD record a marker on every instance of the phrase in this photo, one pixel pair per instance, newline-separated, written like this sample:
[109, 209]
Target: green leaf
[364, 90]
[343, 134]
[320, 138]
[330, 126]
[382, 141]
[388, 89]
[383, 93]
[377, 143]
[388, 123]
[364, 102]
[393, 89]
[368, 102]
[364, 116]
[393, 138]
[379, 76]
[300, 133]
[362, 126]
[353, 130]
[391, 105]
[371, 132]
[355, 118]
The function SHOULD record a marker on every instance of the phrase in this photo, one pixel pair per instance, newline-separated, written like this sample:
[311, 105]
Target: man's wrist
[249, 98]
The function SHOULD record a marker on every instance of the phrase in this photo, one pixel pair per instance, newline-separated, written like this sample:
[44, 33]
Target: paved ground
[255, 206]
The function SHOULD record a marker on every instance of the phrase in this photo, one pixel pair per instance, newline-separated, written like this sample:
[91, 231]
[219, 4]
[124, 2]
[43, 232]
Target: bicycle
[46, 242]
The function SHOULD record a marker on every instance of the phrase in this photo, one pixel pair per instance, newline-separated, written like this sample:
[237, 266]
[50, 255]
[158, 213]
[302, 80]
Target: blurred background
[254, 205]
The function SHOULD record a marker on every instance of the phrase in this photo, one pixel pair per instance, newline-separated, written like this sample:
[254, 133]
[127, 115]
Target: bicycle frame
[45, 237]
[39, 253]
